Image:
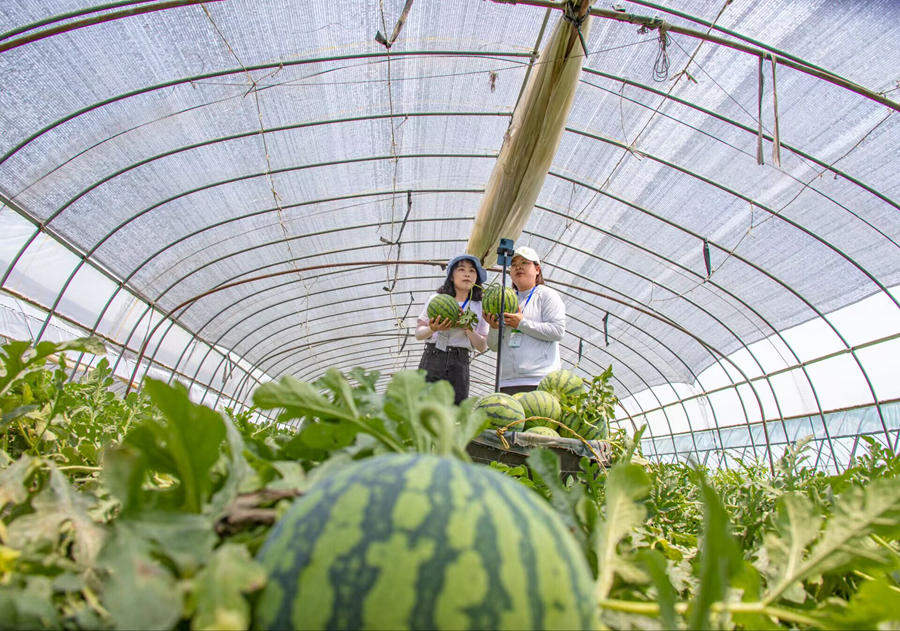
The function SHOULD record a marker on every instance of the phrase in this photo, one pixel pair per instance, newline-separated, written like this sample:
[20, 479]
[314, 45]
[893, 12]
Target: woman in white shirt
[531, 337]
[448, 349]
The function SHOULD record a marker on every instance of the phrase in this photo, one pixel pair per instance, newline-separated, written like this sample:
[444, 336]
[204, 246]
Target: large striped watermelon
[409, 541]
[502, 409]
[564, 384]
[490, 302]
[444, 306]
[542, 404]
[585, 429]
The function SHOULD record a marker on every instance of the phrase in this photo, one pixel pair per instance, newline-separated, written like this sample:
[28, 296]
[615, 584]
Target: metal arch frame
[257, 364]
[121, 225]
[674, 264]
[267, 66]
[752, 265]
[875, 397]
[169, 153]
[732, 123]
[655, 23]
[218, 224]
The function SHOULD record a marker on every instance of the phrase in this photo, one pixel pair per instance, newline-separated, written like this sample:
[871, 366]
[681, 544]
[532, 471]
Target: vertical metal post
[500, 323]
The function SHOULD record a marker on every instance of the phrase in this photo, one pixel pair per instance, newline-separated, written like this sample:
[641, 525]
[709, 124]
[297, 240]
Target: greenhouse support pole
[504, 258]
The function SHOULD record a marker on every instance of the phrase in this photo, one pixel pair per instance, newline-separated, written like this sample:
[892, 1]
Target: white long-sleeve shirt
[542, 329]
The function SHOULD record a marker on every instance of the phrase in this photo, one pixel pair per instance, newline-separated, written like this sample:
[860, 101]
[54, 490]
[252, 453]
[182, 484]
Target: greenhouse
[236, 196]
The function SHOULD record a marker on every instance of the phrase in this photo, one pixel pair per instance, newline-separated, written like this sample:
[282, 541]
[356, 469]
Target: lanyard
[529, 298]
[463, 307]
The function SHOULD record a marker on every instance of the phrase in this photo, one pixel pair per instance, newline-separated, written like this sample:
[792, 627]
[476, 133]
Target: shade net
[274, 159]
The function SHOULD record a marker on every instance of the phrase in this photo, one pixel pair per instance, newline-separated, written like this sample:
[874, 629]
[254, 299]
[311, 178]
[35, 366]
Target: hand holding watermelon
[440, 323]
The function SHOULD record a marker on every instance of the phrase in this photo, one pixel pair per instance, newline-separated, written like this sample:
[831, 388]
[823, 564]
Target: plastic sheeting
[264, 146]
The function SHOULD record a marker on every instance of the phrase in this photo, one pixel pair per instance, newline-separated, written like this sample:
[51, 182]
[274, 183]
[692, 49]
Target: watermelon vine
[151, 511]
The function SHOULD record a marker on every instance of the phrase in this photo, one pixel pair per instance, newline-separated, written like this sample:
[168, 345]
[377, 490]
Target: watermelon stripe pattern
[421, 542]
[562, 383]
[444, 306]
[502, 409]
[541, 404]
[491, 300]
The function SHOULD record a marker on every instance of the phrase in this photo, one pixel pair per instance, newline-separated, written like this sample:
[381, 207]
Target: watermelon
[490, 302]
[409, 541]
[564, 384]
[502, 409]
[519, 395]
[444, 306]
[540, 403]
[543, 431]
[588, 431]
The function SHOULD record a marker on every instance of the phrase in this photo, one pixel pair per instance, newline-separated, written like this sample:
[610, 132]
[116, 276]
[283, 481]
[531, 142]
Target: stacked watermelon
[565, 384]
[444, 306]
[543, 431]
[569, 388]
[490, 302]
[419, 542]
[542, 405]
[502, 409]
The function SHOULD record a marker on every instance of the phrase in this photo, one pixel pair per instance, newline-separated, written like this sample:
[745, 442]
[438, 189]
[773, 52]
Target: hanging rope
[661, 66]
[759, 115]
[570, 15]
[776, 136]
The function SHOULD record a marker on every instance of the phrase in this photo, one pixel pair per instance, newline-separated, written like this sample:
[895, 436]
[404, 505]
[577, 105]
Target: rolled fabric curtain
[533, 137]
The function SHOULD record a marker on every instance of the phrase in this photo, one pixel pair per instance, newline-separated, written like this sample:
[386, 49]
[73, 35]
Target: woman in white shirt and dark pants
[531, 337]
[448, 350]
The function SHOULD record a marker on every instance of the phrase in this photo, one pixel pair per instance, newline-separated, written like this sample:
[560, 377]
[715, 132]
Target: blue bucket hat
[479, 270]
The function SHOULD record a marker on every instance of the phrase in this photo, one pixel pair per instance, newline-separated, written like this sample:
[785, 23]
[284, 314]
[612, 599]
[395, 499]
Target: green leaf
[720, 557]
[16, 413]
[545, 463]
[56, 505]
[402, 400]
[30, 607]
[875, 603]
[796, 525]
[123, 473]
[654, 563]
[627, 488]
[221, 587]
[300, 399]
[14, 480]
[19, 358]
[190, 439]
[328, 436]
[138, 592]
[343, 392]
[185, 539]
[859, 513]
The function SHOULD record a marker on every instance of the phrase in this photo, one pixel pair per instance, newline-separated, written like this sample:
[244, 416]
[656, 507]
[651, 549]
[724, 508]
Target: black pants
[517, 389]
[451, 365]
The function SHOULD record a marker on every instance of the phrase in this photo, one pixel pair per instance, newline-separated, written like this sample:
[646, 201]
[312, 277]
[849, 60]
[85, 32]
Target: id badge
[515, 338]
[442, 341]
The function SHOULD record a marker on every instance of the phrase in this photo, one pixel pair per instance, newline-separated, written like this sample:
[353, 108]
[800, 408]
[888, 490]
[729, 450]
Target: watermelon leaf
[845, 540]
[220, 589]
[654, 563]
[186, 443]
[627, 488]
[720, 557]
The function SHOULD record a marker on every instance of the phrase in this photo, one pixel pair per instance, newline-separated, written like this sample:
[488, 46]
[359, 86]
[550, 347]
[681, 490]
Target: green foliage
[147, 511]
